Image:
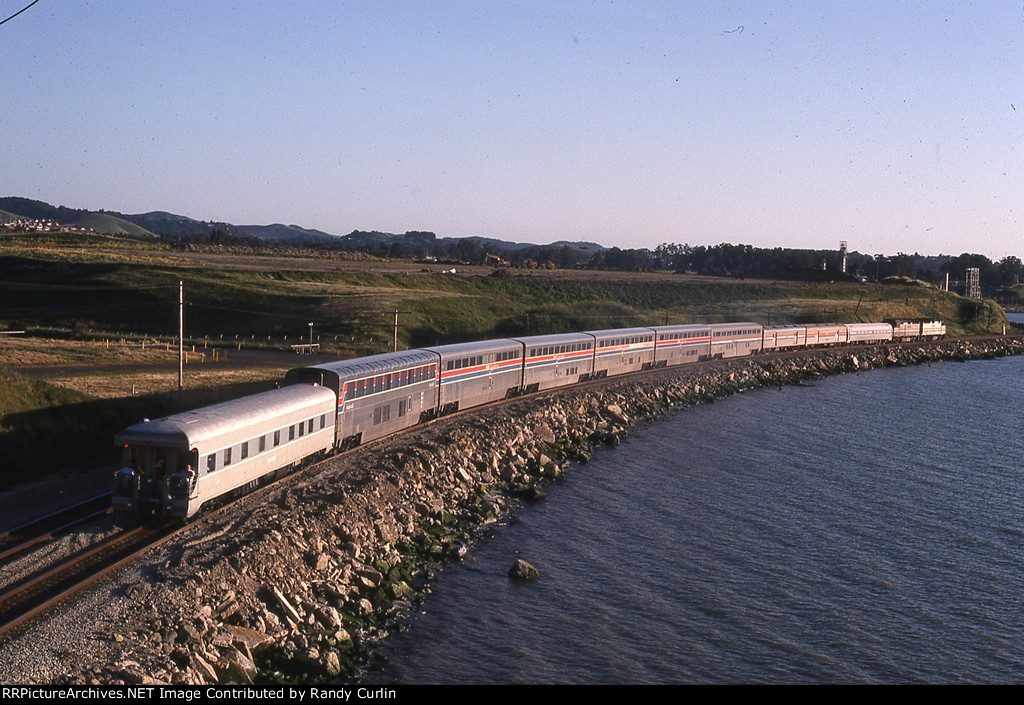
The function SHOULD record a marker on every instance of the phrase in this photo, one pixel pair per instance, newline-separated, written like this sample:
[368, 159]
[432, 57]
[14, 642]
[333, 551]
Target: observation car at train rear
[176, 464]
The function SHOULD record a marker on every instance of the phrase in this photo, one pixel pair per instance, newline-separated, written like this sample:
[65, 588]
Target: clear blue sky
[896, 126]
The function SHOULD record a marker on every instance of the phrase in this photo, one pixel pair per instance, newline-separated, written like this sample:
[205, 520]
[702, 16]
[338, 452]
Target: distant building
[972, 289]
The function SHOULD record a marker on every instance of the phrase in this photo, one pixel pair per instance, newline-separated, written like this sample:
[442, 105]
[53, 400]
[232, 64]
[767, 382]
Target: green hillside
[108, 286]
[111, 225]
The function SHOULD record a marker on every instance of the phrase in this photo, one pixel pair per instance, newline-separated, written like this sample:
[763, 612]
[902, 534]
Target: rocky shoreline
[297, 583]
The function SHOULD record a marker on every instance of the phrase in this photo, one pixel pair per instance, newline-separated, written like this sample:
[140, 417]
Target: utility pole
[396, 330]
[181, 340]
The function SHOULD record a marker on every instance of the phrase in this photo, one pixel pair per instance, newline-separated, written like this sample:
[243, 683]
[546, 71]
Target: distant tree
[1010, 271]
[469, 251]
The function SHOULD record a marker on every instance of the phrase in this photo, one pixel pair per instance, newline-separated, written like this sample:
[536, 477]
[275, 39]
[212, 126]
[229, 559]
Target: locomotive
[174, 465]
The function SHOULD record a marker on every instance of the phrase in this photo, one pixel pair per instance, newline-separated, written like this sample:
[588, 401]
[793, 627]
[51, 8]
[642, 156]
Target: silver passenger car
[377, 395]
[735, 339]
[678, 345]
[869, 333]
[621, 350]
[826, 334]
[471, 374]
[557, 360]
[174, 464]
[783, 337]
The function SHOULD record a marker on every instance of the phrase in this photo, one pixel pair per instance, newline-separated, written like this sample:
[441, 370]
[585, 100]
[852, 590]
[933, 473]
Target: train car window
[277, 438]
[302, 429]
[245, 451]
[386, 412]
[263, 443]
[376, 416]
[227, 457]
[310, 425]
[323, 421]
[211, 462]
[401, 408]
[291, 432]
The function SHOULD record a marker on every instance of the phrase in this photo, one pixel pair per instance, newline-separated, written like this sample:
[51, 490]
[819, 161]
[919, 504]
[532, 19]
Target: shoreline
[299, 582]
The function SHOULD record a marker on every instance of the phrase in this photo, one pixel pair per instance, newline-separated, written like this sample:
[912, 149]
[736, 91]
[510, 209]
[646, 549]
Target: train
[175, 465]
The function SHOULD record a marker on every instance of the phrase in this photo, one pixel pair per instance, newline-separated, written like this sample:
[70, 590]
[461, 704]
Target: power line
[20, 11]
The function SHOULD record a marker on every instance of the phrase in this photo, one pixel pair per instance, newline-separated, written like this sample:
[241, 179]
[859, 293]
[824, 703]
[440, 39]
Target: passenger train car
[174, 465]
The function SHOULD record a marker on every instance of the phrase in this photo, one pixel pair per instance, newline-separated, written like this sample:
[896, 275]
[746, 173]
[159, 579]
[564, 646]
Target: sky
[895, 126]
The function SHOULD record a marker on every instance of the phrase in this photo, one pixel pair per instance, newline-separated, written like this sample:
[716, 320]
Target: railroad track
[21, 538]
[40, 591]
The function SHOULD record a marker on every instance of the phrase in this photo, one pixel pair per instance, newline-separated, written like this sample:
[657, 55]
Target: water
[867, 528]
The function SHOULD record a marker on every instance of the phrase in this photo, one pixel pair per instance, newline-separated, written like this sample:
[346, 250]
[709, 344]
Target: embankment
[301, 580]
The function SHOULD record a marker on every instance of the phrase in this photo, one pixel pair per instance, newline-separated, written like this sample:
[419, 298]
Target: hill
[171, 225]
[25, 209]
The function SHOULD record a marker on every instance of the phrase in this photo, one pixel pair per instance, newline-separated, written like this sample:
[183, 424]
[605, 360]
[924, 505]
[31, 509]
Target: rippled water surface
[866, 528]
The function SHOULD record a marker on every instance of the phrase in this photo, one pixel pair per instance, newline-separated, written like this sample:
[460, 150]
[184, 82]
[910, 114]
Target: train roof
[481, 346]
[554, 338]
[383, 363]
[867, 326]
[682, 327]
[734, 324]
[189, 428]
[619, 332]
